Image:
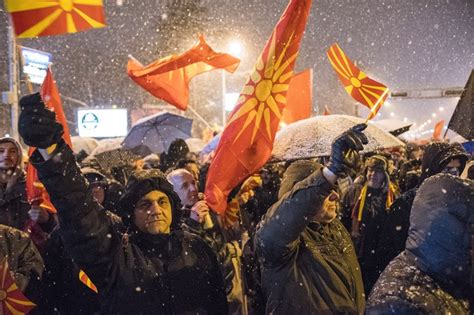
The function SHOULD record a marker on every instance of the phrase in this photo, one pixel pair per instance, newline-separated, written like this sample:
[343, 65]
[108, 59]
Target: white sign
[102, 123]
[35, 64]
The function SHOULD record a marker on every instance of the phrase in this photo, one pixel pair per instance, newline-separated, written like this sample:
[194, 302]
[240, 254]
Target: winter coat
[395, 232]
[24, 260]
[307, 267]
[136, 273]
[432, 275]
[374, 218]
[14, 206]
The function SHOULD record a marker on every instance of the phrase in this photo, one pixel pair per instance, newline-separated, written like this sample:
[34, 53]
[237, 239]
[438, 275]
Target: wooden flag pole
[374, 109]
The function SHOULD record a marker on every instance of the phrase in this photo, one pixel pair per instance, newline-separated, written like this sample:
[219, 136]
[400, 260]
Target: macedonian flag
[247, 140]
[12, 299]
[362, 88]
[33, 18]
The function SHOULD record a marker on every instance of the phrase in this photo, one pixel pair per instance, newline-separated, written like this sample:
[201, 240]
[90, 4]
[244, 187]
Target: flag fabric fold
[247, 140]
[12, 300]
[299, 97]
[32, 18]
[168, 78]
[357, 84]
[35, 190]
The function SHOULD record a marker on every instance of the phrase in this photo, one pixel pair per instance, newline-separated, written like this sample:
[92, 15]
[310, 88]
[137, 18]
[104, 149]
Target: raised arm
[86, 232]
[278, 234]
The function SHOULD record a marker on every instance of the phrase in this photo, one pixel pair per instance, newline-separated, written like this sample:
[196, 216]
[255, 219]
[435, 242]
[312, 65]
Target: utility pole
[13, 81]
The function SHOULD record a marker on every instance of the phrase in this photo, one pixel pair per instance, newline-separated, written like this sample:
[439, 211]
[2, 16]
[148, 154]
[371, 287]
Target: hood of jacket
[437, 155]
[439, 235]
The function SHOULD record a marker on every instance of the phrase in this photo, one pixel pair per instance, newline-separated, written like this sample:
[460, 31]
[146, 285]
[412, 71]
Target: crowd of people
[388, 232]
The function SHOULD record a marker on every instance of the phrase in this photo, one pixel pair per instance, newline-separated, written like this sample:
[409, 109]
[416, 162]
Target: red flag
[35, 190]
[438, 129]
[299, 97]
[33, 18]
[247, 140]
[362, 88]
[326, 111]
[168, 78]
[12, 300]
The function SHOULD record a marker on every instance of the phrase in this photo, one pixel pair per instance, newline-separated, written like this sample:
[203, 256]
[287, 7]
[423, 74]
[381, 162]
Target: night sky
[403, 43]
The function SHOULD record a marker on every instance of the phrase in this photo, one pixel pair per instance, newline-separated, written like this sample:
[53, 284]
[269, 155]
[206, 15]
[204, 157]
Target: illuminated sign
[35, 64]
[102, 123]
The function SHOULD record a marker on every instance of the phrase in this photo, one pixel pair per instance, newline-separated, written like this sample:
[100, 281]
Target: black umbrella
[462, 120]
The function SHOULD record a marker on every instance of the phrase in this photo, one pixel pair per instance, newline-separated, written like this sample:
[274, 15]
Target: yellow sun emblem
[265, 89]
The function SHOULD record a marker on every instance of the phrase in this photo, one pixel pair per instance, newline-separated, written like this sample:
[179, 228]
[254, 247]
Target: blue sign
[35, 64]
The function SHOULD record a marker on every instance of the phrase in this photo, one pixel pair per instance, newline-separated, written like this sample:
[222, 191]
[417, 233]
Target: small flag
[357, 84]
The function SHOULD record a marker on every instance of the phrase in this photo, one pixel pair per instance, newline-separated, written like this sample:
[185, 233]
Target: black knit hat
[141, 183]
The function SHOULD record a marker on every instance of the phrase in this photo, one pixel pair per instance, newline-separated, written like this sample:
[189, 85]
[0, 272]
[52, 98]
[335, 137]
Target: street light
[234, 48]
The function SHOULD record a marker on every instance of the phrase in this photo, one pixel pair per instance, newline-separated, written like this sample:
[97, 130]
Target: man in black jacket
[308, 261]
[153, 269]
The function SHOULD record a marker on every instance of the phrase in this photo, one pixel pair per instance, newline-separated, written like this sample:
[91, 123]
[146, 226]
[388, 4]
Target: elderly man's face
[185, 186]
[8, 155]
[153, 213]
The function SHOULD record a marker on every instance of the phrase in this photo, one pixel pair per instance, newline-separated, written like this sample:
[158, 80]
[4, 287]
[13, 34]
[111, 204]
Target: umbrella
[211, 145]
[394, 126]
[158, 131]
[195, 144]
[85, 144]
[312, 137]
[462, 120]
[110, 153]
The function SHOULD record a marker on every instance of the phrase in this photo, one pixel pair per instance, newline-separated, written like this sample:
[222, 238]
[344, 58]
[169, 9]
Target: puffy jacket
[395, 232]
[136, 273]
[432, 275]
[307, 267]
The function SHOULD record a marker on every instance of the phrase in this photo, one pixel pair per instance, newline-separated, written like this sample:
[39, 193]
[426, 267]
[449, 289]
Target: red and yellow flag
[247, 140]
[299, 98]
[168, 78]
[33, 18]
[84, 278]
[34, 188]
[362, 88]
[438, 129]
[12, 300]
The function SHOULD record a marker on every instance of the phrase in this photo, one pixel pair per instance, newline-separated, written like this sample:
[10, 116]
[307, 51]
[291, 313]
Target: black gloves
[37, 125]
[344, 150]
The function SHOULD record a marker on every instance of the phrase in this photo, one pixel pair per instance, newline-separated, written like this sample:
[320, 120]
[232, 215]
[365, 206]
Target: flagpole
[200, 117]
[374, 109]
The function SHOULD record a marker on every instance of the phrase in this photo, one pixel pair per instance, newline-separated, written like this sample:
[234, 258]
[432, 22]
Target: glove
[37, 125]
[344, 150]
